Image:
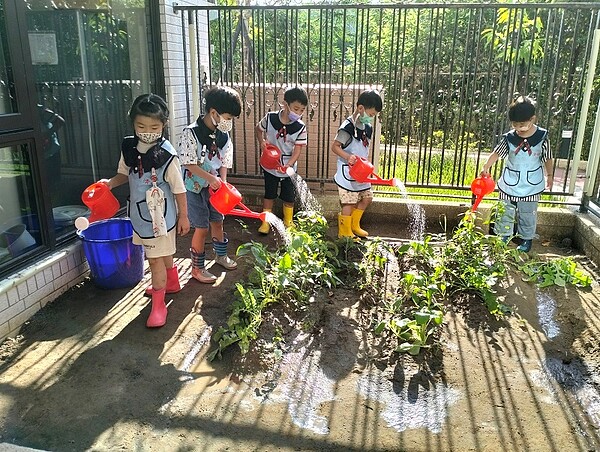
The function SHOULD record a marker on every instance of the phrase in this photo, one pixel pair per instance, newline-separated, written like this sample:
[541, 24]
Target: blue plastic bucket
[115, 262]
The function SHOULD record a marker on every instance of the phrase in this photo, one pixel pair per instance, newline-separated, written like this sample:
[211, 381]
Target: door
[15, 110]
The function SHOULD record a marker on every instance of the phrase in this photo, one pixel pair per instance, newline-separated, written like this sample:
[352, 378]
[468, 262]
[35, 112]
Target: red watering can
[225, 200]
[271, 158]
[362, 171]
[100, 200]
[480, 187]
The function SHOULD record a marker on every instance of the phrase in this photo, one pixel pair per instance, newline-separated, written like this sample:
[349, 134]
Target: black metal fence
[447, 74]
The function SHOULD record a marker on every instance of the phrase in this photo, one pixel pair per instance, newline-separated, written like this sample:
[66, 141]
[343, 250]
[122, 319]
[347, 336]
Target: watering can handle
[212, 191]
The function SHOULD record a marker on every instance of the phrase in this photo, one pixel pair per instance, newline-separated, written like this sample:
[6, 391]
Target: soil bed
[86, 374]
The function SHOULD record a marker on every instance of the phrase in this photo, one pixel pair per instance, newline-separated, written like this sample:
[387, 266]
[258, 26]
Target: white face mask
[149, 137]
[224, 125]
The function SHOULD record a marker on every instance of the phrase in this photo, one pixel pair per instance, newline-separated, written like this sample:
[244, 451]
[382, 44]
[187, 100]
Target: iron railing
[447, 74]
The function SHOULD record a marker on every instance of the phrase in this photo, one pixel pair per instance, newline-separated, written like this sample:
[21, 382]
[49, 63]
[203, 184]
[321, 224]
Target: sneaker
[525, 246]
[203, 275]
[226, 262]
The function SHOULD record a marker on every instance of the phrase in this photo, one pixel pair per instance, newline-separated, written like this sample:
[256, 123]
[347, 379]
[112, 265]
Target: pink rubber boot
[158, 314]
[173, 285]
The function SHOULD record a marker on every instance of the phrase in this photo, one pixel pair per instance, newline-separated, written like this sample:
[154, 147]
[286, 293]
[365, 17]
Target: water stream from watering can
[310, 203]
[306, 198]
[279, 228]
[417, 213]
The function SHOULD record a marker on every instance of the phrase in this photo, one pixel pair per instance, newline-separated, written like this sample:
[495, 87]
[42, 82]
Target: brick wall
[328, 106]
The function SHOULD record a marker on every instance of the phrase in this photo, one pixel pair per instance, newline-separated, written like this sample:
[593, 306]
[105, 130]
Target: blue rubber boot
[525, 246]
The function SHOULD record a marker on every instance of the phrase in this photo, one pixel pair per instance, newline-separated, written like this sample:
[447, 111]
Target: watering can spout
[362, 171]
[481, 186]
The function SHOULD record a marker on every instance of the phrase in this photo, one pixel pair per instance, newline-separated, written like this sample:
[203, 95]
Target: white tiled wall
[24, 293]
[173, 61]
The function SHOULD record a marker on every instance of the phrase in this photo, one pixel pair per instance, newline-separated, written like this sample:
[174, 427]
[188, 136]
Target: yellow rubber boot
[288, 216]
[265, 226]
[345, 226]
[356, 216]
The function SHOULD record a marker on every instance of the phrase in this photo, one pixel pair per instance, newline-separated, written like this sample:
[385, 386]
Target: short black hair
[370, 99]
[521, 109]
[296, 94]
[224, 100]
[151, 105]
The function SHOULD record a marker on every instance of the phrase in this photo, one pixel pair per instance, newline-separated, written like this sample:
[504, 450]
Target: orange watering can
[480, 187]
[225, 200]
[100, 200]
[362, 171]
[271, 158]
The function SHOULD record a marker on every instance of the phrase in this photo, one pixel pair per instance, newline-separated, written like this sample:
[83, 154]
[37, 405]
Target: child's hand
[352, 159]
[549, 182]
[214, 182]
[484, 173]
[105, 181]
[183, 224]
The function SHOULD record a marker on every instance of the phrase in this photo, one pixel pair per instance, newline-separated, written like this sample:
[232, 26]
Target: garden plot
[86, 374]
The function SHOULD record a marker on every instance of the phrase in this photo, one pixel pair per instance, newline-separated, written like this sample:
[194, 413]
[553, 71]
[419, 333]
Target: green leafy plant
[415, 332]
[559, 272]
[291, 276]
[469, 261]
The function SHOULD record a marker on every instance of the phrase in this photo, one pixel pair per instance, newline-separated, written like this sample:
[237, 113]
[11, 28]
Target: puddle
[546, 306]
[405, 410]
[304, 388]
[573, 380]
[191, 356]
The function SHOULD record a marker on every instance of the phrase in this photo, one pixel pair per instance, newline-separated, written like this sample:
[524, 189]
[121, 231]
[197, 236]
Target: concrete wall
[586, 236]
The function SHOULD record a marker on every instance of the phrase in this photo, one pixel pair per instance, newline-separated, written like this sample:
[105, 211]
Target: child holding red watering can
[206, 151]
[284, 130]
[351, 143]
[527, 152]
[157, 204]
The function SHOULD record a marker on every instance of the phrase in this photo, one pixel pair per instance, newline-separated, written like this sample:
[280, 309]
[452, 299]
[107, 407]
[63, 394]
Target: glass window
[8, 95]
[19, 221]
[90, 60]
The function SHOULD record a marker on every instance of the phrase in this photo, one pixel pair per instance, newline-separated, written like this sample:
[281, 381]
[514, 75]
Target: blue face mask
[365, 118]
[293, 116]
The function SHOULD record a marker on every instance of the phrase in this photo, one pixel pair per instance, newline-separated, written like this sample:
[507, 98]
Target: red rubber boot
[173, 285]
[158, 314]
